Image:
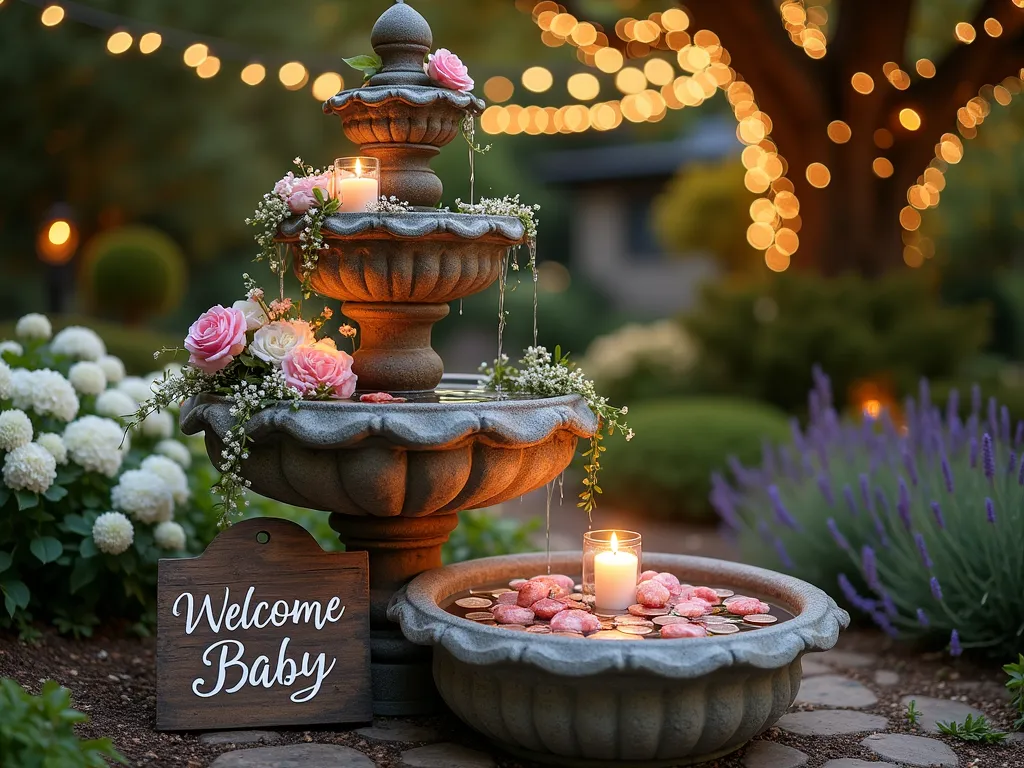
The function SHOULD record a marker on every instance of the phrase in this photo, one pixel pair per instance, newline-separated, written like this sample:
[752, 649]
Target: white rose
[143, 494]
[169, 535]
[255, 317]
[34, 327]
[54, 443]
[115, 404]
[88, 378]
[79, 343]
[113, 368]
[113, 533]
[95, 444]
[29, 468]
[171, 473]
[172, 449]
[15, 430]
[274, 341]
[6, 381]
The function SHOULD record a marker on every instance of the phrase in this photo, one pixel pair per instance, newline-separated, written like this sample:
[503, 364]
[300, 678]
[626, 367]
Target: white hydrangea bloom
[15, 429]
[94, 443]
[112, 367]
[54, 443]
[169, 535]
[6, 381]
[13, 347]
[53, 395]
[158, 425]
[172, 449]
[113, 533]
[171, 473]
[79, 343]
[21, 388]
[115, 404]
[137, 388]
[88, 378]
[30, 467]
[34, 327]
[144, 495]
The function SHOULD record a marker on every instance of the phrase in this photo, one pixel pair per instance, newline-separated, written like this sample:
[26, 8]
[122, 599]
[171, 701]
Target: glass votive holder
[356, 183]
[611, 568]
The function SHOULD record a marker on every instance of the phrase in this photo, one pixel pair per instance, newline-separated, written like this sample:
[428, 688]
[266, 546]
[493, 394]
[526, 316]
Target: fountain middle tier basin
[410, 459]
[583, 702]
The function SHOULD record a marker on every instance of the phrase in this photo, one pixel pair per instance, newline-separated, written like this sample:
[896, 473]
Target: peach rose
[313, 366]
[215, 338]
[447, 70]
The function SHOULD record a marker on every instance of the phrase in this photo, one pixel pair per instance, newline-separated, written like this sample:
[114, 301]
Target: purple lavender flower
[781, 513]
[837, 534]
[869, 564]
[721, 500]
[880, 531]
[1019, 435]
[936, 588]
[955, 649]
[993, 421]
[922, 550]
[825, 486]
[922, 618]
[854, 599]
[785, 559]
[947, 475]
[975, 399]
[1004, 424]
[1020, 472]
[738, 470]
[888, 604]
[990, 510]
[850, 502]
[882, 502]
[924, 393]
[974, 452]
[884, 624]
[953, 406]
[910, 464]
[865, 493]
[798, 435]
[939, 519]
[1012, 463]
[903, 504]
[988, 459]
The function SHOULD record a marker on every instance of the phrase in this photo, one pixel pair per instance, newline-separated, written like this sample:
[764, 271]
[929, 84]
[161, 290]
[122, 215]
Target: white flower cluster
[87, 378]
[113, 533]
[15, 429]
[505, 206]
[29, 467]
[116, 404]
[94, 443]
[45, 392]
[11, 347]
[387, 205]
[33, 327]
[54, 443]
[144, 495]
[169, 535]
[78, 343]
[176, 451]
[270, 214]
[6, 384]
[171, 473]
[136, 388]
[663, 346]
[113, 368]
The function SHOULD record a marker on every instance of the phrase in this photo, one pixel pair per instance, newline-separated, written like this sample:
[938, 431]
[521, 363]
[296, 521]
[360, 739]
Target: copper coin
[474, 602]
[513, 627]
[723, 629]
[539, 629]
[637, 621]
[640, 610]
[760, 618]
[724, 593]
[632, 629]
[610, 635]
[572, 604]
[496, 592]
[606, 625]
[729, 599]
[714, 620]
[577, 596]
[480, 616]
[662, 621]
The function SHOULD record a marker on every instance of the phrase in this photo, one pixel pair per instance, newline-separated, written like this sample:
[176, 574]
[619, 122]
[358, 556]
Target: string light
[209, 67]
[195, 54]
[862, 82]
[538, 79]
[925, 68]
[499, 89]
[293, 75]
[150, 42]
[818, 175]
[839, 132]
[965, 32]
[253, 74]
[583, 86]
[327, 85]
[882, 167]
[119, 42]
[909, 119]
[52, 15]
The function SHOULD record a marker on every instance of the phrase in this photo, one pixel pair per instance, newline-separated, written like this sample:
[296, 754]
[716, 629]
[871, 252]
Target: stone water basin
[572, 701]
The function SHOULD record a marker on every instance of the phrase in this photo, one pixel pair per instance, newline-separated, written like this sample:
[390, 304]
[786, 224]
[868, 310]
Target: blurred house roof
[710, 139]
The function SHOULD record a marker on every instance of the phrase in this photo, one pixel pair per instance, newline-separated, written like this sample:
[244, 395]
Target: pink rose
[312, 366]
[215, 338]
[283, 188]
[447, 70]
[301, 197]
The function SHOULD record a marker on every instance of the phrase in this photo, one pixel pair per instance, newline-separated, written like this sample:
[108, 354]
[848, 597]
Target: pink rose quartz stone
[672, 631]
[563, 582]
[671, 582]
[708, 595]
[533, 591]
[745, 606]
[652, 594]
[647, 576]
[691, 609]
[512, 614]
[507, 598]
[547, 608]
[575, 621]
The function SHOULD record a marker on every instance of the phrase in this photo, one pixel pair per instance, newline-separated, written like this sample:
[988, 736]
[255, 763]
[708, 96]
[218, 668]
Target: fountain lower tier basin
[572, 701]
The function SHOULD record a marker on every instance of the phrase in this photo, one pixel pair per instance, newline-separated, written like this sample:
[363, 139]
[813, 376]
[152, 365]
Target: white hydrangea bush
[87, 508]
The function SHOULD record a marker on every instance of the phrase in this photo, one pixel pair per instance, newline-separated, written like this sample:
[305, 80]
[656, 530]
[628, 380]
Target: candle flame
[615, 544]
[359, 169]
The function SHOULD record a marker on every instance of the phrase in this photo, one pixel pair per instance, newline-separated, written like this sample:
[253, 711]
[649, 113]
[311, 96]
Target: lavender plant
[919, 525]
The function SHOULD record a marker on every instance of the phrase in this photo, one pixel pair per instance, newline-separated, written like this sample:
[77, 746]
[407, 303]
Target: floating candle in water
[615, 575]
[357, 183]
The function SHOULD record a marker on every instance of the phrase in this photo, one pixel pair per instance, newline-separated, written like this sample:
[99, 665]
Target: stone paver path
[831, 722]
[398, 730]
[835, 691]
[240, 737]
[768, 754]
[886, 678]
[446, 756]
[294, 756]
[934, 711]
[912, 750]
[853, 762]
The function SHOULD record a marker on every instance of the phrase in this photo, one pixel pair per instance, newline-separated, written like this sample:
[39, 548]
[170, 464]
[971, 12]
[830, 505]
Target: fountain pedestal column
[394, 352]
[400, 548]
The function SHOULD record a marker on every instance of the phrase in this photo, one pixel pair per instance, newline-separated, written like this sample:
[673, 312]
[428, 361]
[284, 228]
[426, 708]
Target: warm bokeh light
[538, 79]
[195, 54]
[119, 42]
[912, 256]
[965, 32]
[56, 242]
[499, 89]
[583, 86]
[149, 42]
[925, 68]
[608, 60]
[883, 138]
[253, 74]
[862, 82]
[630, 80]
[584, 34]
[787, 204]
[327, 85]
[760, 235]
[910, 119]
[675, 20]
[910, 218]
[818, 175]
[209, 67]
[993, 28]
[659, 71]
[762, 210]
[293, 75]
[59, 232]
[775, 260]
[882, 167]
[839, 132]
[787, 241]
[52, 16]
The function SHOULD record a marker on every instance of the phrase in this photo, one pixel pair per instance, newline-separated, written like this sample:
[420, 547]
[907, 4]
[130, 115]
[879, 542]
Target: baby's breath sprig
[387, 205]
[509, 206]
[543, 374]
[469, 134]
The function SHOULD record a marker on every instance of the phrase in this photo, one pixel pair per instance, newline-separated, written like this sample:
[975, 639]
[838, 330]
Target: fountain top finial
[402, 38]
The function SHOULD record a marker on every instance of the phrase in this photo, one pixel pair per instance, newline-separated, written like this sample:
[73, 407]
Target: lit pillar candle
[356, 188]
[615, 575]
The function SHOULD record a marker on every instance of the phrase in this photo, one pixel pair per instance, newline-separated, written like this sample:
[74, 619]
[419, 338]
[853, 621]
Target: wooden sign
[262, 629]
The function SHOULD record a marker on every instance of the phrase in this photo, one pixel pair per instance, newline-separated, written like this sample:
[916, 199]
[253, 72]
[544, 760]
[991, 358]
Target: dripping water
[501, 310]
[532, 246]
[561, 488]
[547, 527]
[469, 128]
[460, 307]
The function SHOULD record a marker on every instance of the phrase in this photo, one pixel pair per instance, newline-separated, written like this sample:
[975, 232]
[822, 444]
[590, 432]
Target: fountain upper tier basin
[410, 257]
[400, 459]
[575, 701]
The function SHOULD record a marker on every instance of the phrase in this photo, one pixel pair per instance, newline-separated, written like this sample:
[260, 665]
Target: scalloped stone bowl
[570, 701]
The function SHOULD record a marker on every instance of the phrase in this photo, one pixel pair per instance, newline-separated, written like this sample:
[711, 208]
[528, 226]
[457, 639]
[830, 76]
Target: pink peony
[447, 70]
[283, 188]
[301, 197]
[312, 366]
[215, 338]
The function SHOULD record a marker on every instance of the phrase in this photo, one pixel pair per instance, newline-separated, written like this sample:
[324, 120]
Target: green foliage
[132, 273]
[977, 729]
[913, 714]
[484, 533]
[703, 209]
[665, 470]
[1015, 685]
[760, 339]
[368, 64]
[39, 731]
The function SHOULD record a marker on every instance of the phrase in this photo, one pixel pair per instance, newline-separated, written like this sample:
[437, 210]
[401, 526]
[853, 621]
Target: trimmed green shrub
[484, 533]
[39, 731]
[760, 339]
[132, 273]
[665, 470]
